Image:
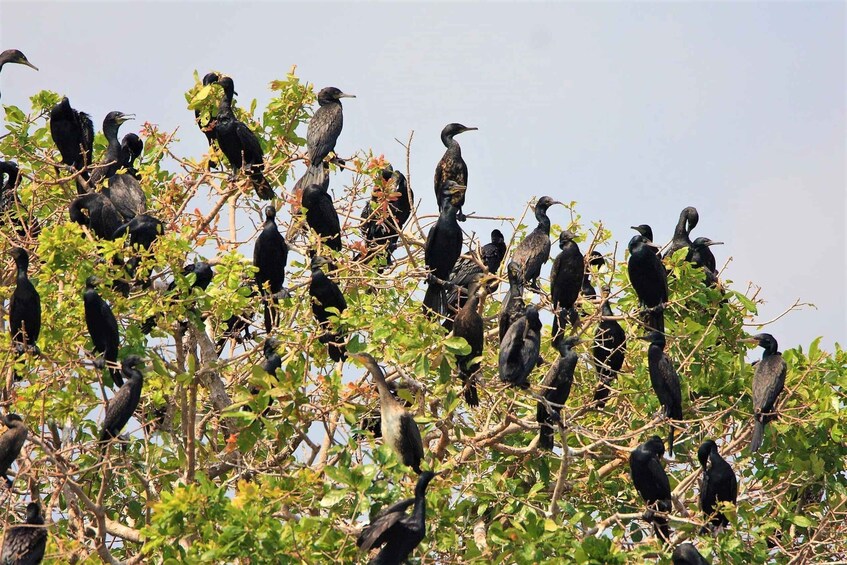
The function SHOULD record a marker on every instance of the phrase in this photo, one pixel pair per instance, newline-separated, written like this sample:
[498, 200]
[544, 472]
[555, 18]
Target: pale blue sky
[633, 110]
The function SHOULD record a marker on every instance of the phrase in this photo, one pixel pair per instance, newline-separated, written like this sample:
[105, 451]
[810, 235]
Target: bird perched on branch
[96, 211]
[608, 350]
[467, 272]
[442, 249]
[24, 305]
[555, 389]
[114, 158]
[649, 280]
[513, 306]
[208, 128]
[687, 554]
[385, 214]
[25, 544]
[73, 134]
[451, 167]
[132, 147]
[651, 482]
[665, 381]
[325, 294]
[534, 250]
[326, 125]
[270, 256]
[103, 328]
[520, 348]
[321, 215]
[768, 382]
[470, 326]
[11, 443]
[688, 219]
[701, 256]
[15, 56]
[123, 404]
[717, 484]
[566, 278]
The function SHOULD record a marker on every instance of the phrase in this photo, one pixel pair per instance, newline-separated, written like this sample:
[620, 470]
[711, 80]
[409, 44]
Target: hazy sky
[632, 110]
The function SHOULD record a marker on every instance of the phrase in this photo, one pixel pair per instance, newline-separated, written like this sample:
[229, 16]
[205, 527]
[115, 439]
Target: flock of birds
[112, 204]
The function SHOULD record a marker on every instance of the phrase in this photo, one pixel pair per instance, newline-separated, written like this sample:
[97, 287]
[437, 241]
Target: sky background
[633, 110]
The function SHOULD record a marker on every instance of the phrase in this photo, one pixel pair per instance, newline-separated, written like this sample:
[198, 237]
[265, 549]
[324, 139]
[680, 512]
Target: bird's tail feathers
[758, 436]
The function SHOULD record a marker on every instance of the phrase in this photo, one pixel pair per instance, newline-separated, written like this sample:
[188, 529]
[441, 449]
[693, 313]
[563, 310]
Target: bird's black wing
[768, 382]
[670, 394]
[410, 432]
[250, 145]
[375, 533]
[322, 133]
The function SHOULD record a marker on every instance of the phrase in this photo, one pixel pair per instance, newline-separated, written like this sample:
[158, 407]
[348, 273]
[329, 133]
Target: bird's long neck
[449, 142]
[543, 220]
[515, 287]
[23, 264]
[472, 303]
[419, 512]
[606, 309]
[225, 105]
[110, 130]
[448, 213]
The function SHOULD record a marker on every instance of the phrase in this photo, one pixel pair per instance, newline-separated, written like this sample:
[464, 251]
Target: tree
[227, 463]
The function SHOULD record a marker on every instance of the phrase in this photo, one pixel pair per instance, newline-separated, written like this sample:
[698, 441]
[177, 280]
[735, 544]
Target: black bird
[688, 219]
[718, 483]
[665, 380]
[103, 328]
[520, 348]
[14, 56]
[113, 159]
[315, 174]
[73, 134]
[239, 144]
[25, 544]
[649, 280]
[203, 275]
[470, 326]
[451, 167]
[647, 232]
[384, 216]
[651, 482]
[143, 230]
[132, 147]
[270, 365]
[24, 306]
[595, 259]
[126, 195]
[11, 443]
[566, 278]
[102, 217]
[608, 350]
[555, 389]
[442, 249]
[208, 128]
[125, 401]
[321, 215]
[399, 430]
[326, 294]
[466, 272]
[768, 382]
[398, 532]
[270, 256]
[23, 224]
[534, 250]
[687, 554]
[513, 306]
[701, 256]
[325, 125]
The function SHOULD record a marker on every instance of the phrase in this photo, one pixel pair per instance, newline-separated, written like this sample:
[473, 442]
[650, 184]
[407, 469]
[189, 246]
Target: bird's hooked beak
[125, 118]
[751, 340]
[27, 63]
[470, 129]
[714, 243]
[345, 95]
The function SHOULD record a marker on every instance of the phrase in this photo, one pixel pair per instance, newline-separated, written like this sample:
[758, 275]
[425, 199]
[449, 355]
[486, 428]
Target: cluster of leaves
[229, 464]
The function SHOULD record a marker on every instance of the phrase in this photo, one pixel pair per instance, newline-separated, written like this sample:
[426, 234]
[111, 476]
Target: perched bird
[608, 350]
[270, 256]
[665, 380]
[272, 361]
[315, 174]
[520, 348]
[513, 306]
[701, 256]
[718, 483]
[651, 482]
[126, 195]
[566, 278]
[451, 167]
[325, 125]
[534, 250]
[768, 382]
[25, 544]
[321, 215]
[103, 328]
[239, 144]
[399, 430]
[14, 56]
[113, 159]
[555, 389]
[325, 294]
[649, 280]
[645, 230]
[470, 326]
[132, 147]
[11, 443]
[688, 219]
[384, 216]
[9, 201]
[143, 230]
[595, 259]
[125, 401]
[208, 128]
[398, 532]
[466, 272]
[102, 217]
[73, 134]
[687, 554]
[442, 249]
[24, 305]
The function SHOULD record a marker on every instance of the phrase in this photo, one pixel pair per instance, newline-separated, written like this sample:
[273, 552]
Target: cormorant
[649, 280]
[143, 230]
[687, 554]
[534, 250]
[14, 56]
[608, 350]
[688, 219]
[326, 294]
[566, 278]
[113, 159]
[103, 218]
[24, 225]
[24, 306]
[315, 174]
[399, 429]
[25, 544]
[451, 166]
[470, 326]
[208, 129]
[325, 125]
[513, 306]
[442, 249]
[768, 382]
[385, 214]
[701, 256]
[132, 147]
[126, 195]
[665, 380]
[466, 272]
[647, 232]
[556, 388]
[321, 215]
[270, 256]
[73, 134]
[718, 483]
[239, 144]
[103, 328]
[651, 482]
[520, 348]
[398, 532]
[595, 259]
[125, 401]
[11, 443]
